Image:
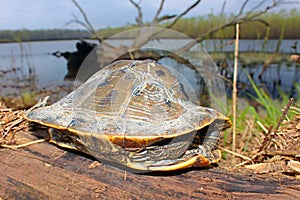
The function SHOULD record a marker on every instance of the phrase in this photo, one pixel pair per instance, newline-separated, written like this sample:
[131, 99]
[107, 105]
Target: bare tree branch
[145, 36]
[243, 7]
[183, 13]
[238, 18]
[165, 17]
[139, 18]
[87, 24]
[155, 19]
[262, 22]
[257, 6]
[77, 21]
[223, 8]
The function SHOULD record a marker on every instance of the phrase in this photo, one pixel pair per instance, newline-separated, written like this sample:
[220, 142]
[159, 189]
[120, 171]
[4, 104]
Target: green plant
[267, 114]
[272, 113]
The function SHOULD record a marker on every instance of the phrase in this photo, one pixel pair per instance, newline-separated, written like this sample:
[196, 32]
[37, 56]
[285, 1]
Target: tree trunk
[44, 171]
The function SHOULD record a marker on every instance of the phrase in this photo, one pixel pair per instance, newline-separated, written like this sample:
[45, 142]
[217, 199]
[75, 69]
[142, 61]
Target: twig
[59, 156]
[257, 6]
[295, 109]
[256, 156]
[94, 164]
[262, 126]
[267, 140]
[223, 8]
[131, 55]
[11, 125]
[234, 92]
[6, 110]
[267, 63]
[286, 109]
[248, 130]
[243, 7]
[242, 163]
[183, 13]
[23, 145]
[145, 37]
[139, 18]
[87, 23]
[235, 154]
[238, 18]
[159, 11]
[226, 44]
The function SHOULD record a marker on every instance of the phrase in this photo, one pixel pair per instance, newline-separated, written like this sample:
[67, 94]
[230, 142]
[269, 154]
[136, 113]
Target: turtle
[136, 115]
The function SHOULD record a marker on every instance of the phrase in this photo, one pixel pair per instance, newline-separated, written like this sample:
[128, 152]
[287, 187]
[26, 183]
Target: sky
[45, 14]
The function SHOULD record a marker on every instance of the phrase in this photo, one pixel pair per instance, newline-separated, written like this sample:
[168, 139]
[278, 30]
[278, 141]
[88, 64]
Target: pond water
[35, 59]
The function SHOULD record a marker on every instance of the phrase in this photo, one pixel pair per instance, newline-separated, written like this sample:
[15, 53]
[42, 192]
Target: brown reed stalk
[234, 91]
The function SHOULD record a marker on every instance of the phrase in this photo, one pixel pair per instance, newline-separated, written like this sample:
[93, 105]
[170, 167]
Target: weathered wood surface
[43, 171]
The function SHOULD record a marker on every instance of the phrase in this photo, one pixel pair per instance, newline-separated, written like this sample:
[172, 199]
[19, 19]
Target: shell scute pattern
[135, 114]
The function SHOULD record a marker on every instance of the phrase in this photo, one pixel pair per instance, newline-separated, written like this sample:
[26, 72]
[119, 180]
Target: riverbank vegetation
[43, 34]
[281, 24]
[273, 25]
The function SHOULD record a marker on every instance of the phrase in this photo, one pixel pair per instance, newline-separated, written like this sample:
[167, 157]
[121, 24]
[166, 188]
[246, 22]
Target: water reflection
[276, 77]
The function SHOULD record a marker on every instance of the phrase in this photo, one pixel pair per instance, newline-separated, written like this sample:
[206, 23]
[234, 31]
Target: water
[34, 58]
[287, 46]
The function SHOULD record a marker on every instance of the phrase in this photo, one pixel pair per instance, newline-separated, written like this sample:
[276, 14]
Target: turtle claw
[212, 156]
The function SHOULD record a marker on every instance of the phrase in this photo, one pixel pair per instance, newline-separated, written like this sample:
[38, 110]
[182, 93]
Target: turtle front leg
[205, 144]
[212, 138]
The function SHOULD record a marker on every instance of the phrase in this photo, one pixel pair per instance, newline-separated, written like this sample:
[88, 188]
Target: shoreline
[128, 38]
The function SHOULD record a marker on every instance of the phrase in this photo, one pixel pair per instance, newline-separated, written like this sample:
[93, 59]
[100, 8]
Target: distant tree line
[43, 34]
[279, 25]
[282, 24]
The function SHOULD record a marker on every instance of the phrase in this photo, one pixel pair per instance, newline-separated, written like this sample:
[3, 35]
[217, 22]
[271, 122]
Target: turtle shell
[129, 112]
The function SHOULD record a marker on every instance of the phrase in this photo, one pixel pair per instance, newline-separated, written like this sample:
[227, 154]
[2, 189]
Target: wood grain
[44, 171]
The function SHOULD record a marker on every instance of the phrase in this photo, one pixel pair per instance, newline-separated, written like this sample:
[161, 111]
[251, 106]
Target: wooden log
[44, 171]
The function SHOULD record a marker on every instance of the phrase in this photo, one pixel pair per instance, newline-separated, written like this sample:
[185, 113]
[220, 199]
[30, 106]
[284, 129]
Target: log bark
[44, 171]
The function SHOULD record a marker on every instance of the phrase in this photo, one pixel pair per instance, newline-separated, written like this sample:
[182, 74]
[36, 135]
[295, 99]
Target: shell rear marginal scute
[52, 116]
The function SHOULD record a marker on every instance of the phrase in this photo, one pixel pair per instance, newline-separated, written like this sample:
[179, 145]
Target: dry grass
[274, 151]
[11, 122]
